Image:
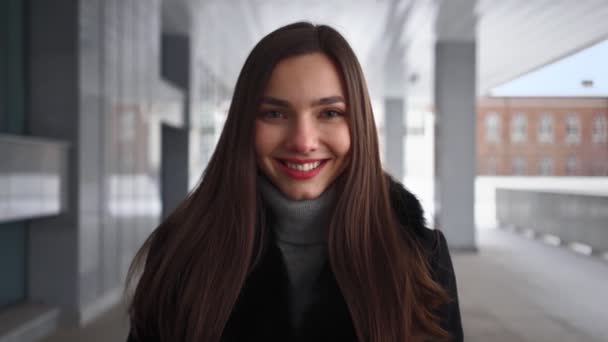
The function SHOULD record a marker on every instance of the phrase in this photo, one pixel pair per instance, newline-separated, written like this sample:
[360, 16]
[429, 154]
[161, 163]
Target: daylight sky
[564, 77]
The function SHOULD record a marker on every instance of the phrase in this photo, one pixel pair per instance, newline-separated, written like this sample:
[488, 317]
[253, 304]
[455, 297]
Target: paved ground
[111, 327]
[517, 289]
[514, 290]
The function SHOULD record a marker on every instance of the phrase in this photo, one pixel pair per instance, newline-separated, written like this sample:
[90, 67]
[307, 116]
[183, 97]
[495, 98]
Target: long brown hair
[193, 266]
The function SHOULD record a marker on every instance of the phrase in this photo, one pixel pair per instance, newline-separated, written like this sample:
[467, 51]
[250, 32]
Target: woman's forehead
[305, 78]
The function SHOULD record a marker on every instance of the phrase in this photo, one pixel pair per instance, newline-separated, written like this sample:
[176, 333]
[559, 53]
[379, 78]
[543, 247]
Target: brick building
[542, 136]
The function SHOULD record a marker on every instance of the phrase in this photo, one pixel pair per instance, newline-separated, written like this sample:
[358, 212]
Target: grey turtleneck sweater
[300, 228]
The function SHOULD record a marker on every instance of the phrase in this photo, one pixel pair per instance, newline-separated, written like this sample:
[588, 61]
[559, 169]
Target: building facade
[100, 136]
[542, 136]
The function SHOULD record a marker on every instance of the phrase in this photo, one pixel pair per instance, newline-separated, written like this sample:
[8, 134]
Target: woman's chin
[301, 193]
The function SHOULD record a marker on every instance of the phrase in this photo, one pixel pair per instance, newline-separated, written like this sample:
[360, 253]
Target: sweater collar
[298, 222]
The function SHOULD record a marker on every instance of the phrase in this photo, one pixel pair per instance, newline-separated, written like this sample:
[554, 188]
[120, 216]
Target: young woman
[295, 232]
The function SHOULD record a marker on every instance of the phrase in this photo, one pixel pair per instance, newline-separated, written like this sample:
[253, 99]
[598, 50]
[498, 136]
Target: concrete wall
[95, 79]
[486, 186]
[573, 217]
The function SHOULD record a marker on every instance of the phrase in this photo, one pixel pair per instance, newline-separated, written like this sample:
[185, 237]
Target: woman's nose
[303, 136]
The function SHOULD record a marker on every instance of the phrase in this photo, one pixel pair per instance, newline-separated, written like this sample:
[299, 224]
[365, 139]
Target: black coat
[262, 311]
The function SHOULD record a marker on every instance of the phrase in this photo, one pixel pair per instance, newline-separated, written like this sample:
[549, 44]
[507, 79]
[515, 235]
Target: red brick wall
[592, 158]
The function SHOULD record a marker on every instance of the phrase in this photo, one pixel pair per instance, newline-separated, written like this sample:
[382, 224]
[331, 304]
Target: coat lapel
[328, 318]
[262, 311]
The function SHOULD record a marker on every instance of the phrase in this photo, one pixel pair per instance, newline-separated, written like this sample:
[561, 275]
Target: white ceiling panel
[228, 30]
[514, 37]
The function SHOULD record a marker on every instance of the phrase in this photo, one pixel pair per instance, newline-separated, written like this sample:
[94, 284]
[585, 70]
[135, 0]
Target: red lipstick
[298, 174]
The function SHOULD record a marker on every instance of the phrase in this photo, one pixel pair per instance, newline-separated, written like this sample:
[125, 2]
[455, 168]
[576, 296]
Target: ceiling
[513, 37]
[228, 30]
[519, 36]
[583, 74]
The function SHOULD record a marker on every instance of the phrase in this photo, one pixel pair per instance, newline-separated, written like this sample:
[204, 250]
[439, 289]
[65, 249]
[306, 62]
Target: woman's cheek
[343, 142]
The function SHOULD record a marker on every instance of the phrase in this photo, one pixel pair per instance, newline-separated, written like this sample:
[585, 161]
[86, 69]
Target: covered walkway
[110, 111]
[513, 290]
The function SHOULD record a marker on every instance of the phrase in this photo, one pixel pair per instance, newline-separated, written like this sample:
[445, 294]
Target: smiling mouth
[303, 167]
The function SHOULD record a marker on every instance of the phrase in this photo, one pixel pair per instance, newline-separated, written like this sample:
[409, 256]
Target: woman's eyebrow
[274, 101]
[328, 100]
[320, 102]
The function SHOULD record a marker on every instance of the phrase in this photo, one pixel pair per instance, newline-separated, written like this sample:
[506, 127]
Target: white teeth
[303, 167]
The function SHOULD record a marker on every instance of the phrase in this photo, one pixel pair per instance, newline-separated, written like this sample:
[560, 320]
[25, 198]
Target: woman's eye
[272, 114]
[331, 113]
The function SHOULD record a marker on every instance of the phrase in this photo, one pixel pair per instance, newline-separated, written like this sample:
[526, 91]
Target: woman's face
[301, 133]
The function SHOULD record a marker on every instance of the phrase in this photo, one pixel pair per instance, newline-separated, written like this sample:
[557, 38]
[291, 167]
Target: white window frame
[573, 129]
[519, 127]
[571, 166]
[545, 128]
[545, 166]
[599, 133]
[492, 125]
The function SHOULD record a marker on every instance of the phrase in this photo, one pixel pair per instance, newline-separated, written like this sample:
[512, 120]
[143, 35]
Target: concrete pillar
[455, 142]
[174, 167]
[53, 258]
[394, 111]
[394, 118]
[176, 66]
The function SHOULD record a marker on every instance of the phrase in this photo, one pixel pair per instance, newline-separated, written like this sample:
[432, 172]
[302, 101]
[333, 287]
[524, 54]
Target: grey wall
[573, 217]
[12, 82]
[96, 84]
[95, 69]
